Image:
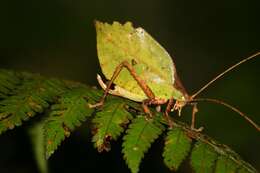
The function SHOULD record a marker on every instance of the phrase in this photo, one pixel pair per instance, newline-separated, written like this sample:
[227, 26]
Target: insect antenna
[230, 107]
[223, 73]
[192, 98]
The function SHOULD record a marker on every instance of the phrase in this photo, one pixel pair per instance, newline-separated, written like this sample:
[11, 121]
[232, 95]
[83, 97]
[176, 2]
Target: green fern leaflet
[109, 123]
[140, 135]
[224, 165]
[8, 82]
[32, 97]
[203, 158]
[71, 110]
[177, 147]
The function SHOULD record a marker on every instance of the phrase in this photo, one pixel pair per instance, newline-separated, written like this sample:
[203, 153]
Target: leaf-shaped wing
[177, 147]
[117, 43]
[139, 137]
[109, 123]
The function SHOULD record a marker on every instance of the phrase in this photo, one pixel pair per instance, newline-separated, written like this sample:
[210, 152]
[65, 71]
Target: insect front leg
[193, 117]
[168, 109]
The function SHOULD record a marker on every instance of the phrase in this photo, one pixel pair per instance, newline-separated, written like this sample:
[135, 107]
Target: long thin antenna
[230, 107]
[223, 73]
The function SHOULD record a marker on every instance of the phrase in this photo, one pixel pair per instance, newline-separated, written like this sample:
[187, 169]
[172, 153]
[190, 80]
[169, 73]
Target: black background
[57, 38]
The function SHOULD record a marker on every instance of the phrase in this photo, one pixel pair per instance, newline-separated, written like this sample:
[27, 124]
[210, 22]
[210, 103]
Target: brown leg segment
[140, 82]
[194, 111]
[193, 118]
[166, 113]
[146, 108]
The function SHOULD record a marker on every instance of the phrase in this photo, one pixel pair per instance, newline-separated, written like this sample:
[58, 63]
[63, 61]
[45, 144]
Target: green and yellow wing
[117, 43]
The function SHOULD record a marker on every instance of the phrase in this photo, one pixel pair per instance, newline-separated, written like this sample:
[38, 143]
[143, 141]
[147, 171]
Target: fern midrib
[111, 118]
[141, 133]
[178, 138]
[54, 136]
[75, 102]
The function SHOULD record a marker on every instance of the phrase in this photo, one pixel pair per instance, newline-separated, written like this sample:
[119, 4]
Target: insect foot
[197, 130]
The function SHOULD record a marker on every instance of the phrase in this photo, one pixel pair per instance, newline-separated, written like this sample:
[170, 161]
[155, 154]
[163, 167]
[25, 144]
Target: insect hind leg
[133, 73]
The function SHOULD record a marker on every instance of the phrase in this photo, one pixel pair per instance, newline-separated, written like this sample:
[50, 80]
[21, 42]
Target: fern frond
[228, 160]
[23, 95]
[224, 165]
[209, 154]
[177, 147]
[31, 97]
[140, 135]
[203, 158]
[70, 111]
[8, 82]
[243, 170]
[110, 123]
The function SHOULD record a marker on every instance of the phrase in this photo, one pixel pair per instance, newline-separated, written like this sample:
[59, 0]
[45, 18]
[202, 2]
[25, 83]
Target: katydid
[143, 71]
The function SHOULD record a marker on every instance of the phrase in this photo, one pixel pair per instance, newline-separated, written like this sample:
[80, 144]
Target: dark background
[57, 38]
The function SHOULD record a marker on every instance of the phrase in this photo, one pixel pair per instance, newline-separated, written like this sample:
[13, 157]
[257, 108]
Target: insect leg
[140, 82]
[152, 101]
[168, 109]
[193, 118]
[146, 109]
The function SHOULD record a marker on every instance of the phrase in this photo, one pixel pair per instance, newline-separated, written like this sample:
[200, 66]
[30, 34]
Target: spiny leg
[140, 82]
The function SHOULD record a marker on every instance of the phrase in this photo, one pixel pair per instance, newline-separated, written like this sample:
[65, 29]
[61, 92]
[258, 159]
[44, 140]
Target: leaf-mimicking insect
[142, 70]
